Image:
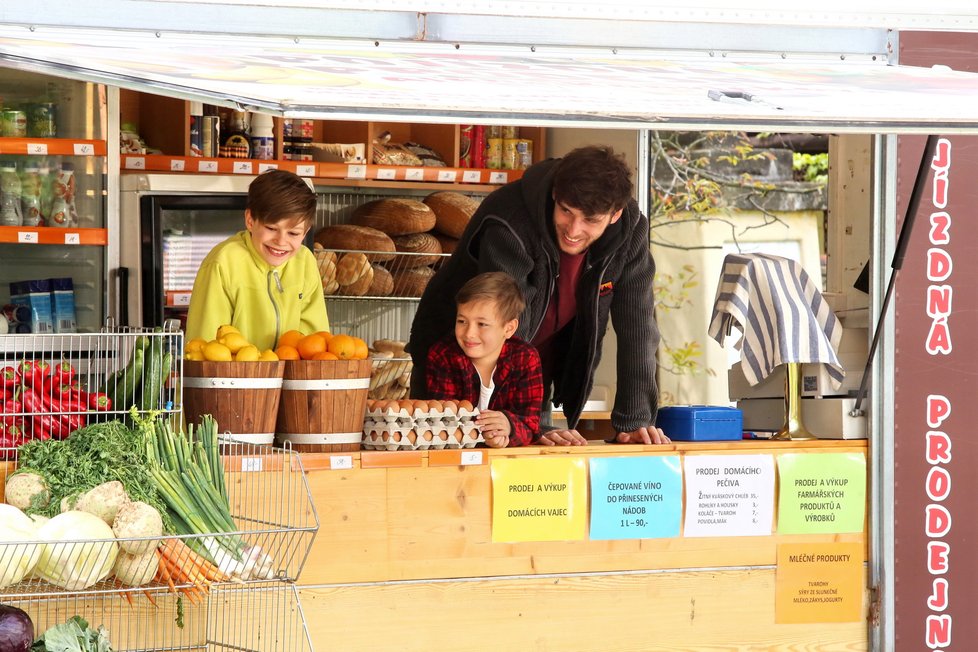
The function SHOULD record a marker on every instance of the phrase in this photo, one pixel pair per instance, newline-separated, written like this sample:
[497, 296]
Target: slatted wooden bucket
[323, 404]
[242, 396]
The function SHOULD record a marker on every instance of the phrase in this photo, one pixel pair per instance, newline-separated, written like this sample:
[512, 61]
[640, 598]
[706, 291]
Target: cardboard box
[701, 423]
[826, 418]
[815, 380]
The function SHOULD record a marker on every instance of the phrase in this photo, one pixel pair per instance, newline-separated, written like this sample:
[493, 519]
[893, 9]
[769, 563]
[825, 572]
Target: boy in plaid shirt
[483, 362]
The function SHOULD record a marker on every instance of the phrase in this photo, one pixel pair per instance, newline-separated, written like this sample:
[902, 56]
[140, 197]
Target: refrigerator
[169, 224]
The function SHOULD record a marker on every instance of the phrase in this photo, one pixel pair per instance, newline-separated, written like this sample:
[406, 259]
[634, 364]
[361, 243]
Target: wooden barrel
[323, 404]
[242, 396]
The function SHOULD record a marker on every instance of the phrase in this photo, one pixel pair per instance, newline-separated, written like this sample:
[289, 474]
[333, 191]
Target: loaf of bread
[357, 238]
[411, 282]
[452, 210]
[395, 347]
[361, 286]
[326, 260]
[395, 216]
[447, 242]
[351, 267]
[383, 282]
[416, 243]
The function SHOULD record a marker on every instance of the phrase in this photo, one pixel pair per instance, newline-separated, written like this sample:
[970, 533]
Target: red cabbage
[16, 629]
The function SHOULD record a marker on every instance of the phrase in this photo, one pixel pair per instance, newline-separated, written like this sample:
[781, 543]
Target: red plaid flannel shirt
[518, 380]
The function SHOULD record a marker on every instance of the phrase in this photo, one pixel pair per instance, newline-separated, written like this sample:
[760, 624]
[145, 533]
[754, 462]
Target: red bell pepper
[46, 426]
[33, 372]
[99, 401]
[63, 373]
[9, 377]
[31, 400]
[11, 411]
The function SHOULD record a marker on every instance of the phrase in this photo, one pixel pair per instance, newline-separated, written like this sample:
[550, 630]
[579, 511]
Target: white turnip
[135, 521]
[136, 570]
[27, 491]
[103, 501]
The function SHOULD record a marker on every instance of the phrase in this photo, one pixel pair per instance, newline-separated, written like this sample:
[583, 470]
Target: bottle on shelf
[10, 189]
[196, 131]
[30, 197]
[237, 144]
[262, 136]
[63, 212]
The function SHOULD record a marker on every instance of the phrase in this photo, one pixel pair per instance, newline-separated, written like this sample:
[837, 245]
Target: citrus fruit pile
[322, 345]
[228, 345]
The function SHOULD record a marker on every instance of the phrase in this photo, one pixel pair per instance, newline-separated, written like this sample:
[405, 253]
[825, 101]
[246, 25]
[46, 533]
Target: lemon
[234, 341]
[224, 330]
[268, 356]
[196, 344]
[248, 353]
[195, 355]
[216, 352]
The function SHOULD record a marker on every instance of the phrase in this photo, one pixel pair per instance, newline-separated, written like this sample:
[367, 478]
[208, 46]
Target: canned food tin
[509, 154]
[466, 139]
[42, 123]
[13, 123]
[511, 132]
[494, 153]
[494, 131]
[479, 147]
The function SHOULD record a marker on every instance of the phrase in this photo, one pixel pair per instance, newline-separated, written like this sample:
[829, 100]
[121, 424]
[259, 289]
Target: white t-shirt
[485, 393]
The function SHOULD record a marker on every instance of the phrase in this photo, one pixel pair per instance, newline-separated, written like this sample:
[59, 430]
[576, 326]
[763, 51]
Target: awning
[548, 86]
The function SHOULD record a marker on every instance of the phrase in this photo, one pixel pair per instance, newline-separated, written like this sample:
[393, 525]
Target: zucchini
[152, 372]
[121, 386]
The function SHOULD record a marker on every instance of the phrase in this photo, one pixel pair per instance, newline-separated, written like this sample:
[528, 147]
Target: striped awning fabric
[782, 315]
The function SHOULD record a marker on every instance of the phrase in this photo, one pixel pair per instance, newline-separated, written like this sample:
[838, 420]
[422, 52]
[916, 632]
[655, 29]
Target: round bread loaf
[359, 287]
[416, 243]
[453, 210]
[383, 283]
[357, 238]
[327, 265]
[411, 282]
[395, 216]
[396, 347]
[351, 267]
[447, 242]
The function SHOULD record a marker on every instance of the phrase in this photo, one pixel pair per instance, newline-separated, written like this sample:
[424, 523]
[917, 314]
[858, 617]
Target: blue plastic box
[701, 423]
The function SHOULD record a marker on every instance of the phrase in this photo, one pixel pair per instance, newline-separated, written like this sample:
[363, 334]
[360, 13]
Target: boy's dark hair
[278, 195]
[498, 287]
[594, 180]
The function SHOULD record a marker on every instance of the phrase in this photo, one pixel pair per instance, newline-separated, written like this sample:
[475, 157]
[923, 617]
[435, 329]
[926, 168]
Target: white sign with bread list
[728, 495]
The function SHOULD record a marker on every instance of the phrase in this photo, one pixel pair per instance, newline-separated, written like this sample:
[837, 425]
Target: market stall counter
[681, 546]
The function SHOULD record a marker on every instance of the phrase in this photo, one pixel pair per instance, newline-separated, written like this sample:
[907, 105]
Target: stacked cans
[297, 140]
[494, 147]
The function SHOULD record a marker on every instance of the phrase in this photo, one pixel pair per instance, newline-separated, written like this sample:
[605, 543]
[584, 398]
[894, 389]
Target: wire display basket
[260, 618]
[53, 384]
[274, 521]
[377, 274]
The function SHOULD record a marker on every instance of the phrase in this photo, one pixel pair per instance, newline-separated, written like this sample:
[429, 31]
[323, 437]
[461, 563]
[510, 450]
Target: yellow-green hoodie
[236, 286]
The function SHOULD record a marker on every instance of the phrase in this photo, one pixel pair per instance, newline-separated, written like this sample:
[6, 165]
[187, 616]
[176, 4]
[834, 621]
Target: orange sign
[819, 583]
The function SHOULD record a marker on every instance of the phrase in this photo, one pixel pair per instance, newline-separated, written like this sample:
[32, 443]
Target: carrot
[149, 596]
[164, 574]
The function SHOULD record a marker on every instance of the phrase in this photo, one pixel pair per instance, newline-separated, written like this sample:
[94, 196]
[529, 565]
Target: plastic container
[701, 423]
[262, 136]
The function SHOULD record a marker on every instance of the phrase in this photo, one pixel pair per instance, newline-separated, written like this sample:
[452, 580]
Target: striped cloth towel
[781, 313]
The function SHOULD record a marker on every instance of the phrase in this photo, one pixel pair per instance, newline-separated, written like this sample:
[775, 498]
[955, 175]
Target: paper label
[177, 165]
[37, 148]
[83, 149]
[72, 238]
[135, 163]
[340, 462]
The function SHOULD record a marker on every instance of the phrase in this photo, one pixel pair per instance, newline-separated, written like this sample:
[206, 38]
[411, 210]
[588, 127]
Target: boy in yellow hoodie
[263, 280]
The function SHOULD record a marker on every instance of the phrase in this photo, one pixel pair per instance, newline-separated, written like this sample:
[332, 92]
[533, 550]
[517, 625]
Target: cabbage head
[79, 550]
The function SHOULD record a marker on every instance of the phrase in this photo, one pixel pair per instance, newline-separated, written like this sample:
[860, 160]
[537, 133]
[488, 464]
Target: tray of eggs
[416, 424]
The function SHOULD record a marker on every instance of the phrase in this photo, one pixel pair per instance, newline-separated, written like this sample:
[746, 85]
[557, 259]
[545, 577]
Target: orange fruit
[361, 351]
[326, 335]
[310, 345]
[343, 347]
[290, 338]
[287, 353]
[325, 355]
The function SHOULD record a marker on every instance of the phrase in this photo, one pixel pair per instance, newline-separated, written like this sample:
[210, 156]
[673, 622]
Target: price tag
[135, 163]
[207, 166]
[249, 464]
[27, 237]
[498, 177]
[242, 167]
[305, 170]
[72, 238]
[356, 171]
[471, 176]
[386, 174]
[340, 462]
[414, 174]
[181, 298]
[471, 457]
[37, 148]
[177, 165]
[83, 149]
[447, 175]
[265, 167]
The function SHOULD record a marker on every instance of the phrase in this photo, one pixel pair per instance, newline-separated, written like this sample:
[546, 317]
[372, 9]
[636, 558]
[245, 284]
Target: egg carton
[409, 412]
[383, 437]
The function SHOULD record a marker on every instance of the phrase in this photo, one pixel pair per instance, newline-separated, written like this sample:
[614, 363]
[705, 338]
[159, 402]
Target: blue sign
[636, 497]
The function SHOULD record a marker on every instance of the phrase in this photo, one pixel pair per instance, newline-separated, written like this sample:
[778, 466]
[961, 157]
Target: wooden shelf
[52, 147]
[50, 235]
[346, 171]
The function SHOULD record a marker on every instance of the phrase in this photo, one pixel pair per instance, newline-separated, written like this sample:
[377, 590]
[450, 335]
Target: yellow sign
[539, 499]
[819, 583]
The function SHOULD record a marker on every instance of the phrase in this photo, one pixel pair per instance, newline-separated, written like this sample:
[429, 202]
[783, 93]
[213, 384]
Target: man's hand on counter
[649, 435]
[562, 438]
